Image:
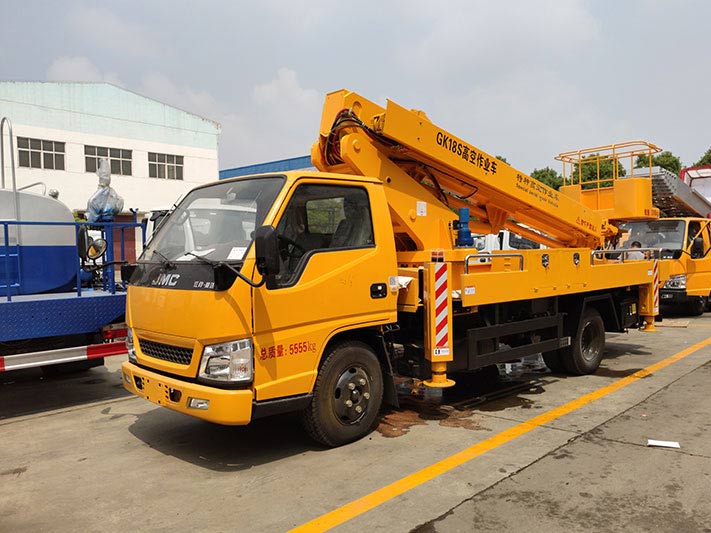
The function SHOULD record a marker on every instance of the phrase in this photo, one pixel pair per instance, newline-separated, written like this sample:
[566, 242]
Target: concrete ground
[78, 453]
[607, 479]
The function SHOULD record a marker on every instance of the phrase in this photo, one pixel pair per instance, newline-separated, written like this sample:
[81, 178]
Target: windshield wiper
[224, 264]
[167, 263]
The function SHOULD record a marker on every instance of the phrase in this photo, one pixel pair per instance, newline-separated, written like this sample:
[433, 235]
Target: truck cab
[686, 242]
[251, 345]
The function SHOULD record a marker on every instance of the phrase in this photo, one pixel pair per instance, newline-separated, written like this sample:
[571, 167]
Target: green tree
[665, 160]
[587, 171]
[705, 159]
[548, 176]
[501, 158]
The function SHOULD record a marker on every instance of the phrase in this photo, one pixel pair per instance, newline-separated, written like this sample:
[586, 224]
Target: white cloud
[283, 119]
[104, 29]
[279, 119]
[284, 91]
[67, 68]
[163, 89]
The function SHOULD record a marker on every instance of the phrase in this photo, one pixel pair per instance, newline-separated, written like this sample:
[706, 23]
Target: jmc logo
[166, 280]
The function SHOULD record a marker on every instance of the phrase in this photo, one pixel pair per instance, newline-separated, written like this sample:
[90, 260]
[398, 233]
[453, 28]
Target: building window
[38, 153]
[165, 166]
[119, 160]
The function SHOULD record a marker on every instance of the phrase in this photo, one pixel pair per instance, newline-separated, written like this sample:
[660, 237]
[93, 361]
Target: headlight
[676, 282]
[130, 347]
[228, 362]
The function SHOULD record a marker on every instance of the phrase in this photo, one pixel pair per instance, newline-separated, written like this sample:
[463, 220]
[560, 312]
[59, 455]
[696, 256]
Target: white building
[157, 152]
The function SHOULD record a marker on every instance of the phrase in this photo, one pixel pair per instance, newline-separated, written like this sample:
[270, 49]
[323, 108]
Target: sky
[526, 79]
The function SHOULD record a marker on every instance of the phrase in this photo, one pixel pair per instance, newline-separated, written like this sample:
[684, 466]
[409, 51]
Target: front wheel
[585, 353]
[697, 305]
[347, 396]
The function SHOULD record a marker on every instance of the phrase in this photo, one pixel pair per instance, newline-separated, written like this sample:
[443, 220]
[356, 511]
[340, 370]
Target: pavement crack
[517, 421]
[660, 448]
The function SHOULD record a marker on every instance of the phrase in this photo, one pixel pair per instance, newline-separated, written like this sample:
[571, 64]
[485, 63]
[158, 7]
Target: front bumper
[228, 407]
[673, 296]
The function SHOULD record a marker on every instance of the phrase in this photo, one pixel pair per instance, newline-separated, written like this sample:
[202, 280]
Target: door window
[322, 218]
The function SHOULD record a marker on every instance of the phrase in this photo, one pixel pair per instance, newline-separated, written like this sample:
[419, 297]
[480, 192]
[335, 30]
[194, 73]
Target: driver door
[326, 285]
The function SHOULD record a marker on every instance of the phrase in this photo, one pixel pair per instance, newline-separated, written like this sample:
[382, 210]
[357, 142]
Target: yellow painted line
[380, 496]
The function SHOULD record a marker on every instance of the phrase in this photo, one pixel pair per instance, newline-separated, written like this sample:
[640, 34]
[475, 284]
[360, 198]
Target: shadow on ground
[25, 392]
[222, 448]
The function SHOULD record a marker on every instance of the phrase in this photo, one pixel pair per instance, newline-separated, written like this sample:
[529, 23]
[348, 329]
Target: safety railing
[13, 252]
[599, 166]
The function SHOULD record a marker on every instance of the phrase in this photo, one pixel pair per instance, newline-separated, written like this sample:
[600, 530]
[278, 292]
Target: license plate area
[158, 392]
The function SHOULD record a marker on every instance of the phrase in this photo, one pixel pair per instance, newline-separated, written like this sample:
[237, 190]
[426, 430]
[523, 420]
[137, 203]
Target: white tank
[37, 258]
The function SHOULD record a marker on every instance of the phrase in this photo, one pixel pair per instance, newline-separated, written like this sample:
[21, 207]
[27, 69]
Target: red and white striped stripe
[441, 306]
[655, 273]
[64, 355]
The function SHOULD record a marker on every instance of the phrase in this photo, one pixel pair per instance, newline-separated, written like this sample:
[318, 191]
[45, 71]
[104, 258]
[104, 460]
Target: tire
[350, 373]
[586, 351]
[697, 305]
[554, 360]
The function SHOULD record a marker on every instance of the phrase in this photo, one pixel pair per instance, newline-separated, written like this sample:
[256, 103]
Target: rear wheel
[554, 360]
[347, 396]
[585, 353]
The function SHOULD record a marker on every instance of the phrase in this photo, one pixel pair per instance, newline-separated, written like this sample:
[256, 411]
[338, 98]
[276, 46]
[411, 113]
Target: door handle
[378, 290]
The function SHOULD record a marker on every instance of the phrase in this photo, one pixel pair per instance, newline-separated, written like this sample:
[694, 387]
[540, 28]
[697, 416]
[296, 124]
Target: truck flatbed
[47, 315]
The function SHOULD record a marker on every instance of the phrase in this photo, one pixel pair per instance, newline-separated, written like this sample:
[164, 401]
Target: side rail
[22, 264]
[626, 254]
[487, 257]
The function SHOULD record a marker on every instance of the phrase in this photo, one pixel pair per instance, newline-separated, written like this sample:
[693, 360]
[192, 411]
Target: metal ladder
[675, 198]
[9, 259]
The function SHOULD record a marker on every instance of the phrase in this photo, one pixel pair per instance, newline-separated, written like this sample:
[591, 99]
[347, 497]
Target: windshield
[667, 234]
[215, 222]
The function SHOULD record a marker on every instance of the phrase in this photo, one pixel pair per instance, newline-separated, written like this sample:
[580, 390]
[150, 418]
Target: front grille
[166, 352]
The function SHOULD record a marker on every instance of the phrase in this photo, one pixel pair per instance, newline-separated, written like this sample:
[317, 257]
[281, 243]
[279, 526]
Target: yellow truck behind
[675, 226]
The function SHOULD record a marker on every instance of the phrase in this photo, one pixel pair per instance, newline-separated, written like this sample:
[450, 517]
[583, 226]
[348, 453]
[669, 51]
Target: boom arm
[428, 173]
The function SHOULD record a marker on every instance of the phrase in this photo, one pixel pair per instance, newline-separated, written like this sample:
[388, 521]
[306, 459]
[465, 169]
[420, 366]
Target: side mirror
[267, 253]
[96, 249]
[697, 248]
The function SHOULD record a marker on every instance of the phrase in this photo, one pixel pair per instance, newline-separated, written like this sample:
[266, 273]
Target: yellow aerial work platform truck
[676, 225]
[311, 291]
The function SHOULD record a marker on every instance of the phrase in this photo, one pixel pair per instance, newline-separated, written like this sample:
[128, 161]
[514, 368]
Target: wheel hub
[352, 395]
[590, 344]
